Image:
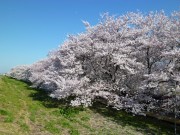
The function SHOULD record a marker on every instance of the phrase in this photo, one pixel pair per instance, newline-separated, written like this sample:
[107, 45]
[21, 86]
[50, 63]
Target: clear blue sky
[29, 29]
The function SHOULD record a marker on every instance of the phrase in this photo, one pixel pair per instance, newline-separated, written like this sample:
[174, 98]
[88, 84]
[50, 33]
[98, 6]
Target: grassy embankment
[24, 110]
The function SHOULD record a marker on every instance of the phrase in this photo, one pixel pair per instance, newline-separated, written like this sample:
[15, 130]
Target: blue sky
[29, 29]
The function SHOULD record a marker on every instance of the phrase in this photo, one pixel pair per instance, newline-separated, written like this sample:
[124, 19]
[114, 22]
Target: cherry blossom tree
[21, 73]
[131, 62]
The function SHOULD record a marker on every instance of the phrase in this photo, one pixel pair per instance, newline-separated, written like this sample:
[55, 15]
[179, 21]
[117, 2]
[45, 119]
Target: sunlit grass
[24, 110]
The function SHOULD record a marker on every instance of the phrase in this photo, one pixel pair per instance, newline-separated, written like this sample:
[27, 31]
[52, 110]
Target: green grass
[25, 111]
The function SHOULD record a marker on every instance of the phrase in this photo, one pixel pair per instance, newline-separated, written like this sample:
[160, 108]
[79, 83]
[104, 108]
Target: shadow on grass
[45, 99]
[147, 125]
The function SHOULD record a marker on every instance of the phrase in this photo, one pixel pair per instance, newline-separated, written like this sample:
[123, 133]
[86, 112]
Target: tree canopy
[132, 62]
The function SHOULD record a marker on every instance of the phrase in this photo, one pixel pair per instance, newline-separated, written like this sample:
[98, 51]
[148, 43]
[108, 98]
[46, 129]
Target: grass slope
[26, 111]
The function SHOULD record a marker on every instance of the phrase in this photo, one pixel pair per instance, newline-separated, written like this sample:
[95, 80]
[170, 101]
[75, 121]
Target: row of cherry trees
[131, 62]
